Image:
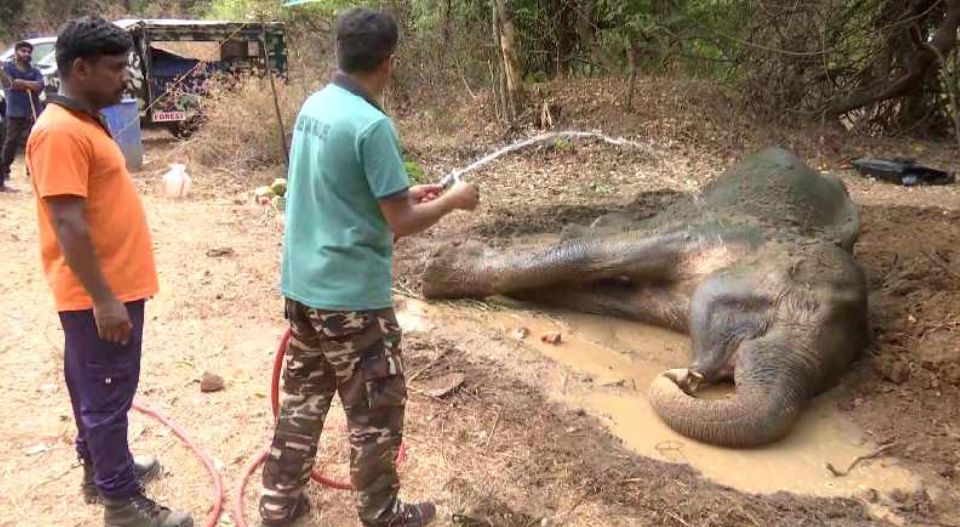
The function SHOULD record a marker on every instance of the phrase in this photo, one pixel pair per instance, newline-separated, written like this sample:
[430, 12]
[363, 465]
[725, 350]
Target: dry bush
[241, 132]
[44, 17]
[241, 129]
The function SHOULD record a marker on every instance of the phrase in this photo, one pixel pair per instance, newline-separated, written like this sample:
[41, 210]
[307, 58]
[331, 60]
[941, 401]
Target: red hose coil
[213, 517]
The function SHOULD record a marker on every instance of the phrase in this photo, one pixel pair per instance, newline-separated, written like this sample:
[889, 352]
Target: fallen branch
[677, 519]
[493, 431]
[403, 290]
[941, 264]
[53, 478]
[428, 396]
[431, 364]
[876, 453]
[559, 518]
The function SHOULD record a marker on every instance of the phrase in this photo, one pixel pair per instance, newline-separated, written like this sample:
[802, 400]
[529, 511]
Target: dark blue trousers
[102, 379]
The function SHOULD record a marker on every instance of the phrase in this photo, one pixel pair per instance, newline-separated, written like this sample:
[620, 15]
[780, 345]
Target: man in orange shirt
[98, 260]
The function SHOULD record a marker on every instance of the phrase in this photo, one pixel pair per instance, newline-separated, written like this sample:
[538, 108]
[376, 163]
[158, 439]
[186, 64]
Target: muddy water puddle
[622, 358]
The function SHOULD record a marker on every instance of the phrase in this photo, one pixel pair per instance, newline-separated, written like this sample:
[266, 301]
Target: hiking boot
[140, 511]
[300, 510]
[415, 515]
[145, 467]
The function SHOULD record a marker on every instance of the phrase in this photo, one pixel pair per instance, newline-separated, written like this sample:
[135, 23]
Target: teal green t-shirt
[344, 157]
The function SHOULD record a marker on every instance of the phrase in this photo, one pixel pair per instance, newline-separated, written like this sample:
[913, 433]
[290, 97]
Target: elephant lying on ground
[757, 269]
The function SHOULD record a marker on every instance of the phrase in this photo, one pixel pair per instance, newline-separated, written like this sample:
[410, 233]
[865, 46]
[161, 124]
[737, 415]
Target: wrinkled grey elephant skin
[758, 269]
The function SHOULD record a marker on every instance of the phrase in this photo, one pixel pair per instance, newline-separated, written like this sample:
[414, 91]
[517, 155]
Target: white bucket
[176, 182]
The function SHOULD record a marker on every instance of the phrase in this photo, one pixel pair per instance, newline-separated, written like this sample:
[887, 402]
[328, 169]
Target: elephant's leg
[656, 305]
[473, 270]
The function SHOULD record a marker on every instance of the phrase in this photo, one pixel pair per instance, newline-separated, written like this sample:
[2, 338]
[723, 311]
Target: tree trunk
[585, 32]
[917, 65]
[565, 36]
[506, 34]
[445, 32]
[632, 53]
[661, 10]
[587, 35]
[952, 82]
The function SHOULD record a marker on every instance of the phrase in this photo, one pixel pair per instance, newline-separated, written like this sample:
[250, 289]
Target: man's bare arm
[405, 216]
[73, 234]
[26, 85]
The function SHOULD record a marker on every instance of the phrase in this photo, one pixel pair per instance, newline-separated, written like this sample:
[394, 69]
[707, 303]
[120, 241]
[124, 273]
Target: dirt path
[504, 450]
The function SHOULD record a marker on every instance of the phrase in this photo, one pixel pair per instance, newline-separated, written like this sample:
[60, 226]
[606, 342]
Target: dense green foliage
[877, 64]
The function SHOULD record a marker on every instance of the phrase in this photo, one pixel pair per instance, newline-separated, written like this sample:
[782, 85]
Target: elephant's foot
[453, 272]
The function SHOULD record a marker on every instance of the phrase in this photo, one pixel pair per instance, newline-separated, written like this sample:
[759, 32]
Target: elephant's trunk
[758, 414]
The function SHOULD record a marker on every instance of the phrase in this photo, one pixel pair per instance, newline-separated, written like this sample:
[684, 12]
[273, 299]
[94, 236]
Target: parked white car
[42, 47]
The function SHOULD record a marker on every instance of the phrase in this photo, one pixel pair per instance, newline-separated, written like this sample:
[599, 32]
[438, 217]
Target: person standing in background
[22, 85]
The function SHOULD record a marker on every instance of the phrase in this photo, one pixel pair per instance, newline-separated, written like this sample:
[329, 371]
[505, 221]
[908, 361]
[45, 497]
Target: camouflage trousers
[355, 354]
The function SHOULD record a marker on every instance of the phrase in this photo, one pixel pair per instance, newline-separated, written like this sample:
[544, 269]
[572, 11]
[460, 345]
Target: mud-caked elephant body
[758, 269]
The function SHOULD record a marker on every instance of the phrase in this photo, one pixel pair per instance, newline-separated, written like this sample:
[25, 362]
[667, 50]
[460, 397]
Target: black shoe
[415, 515]
[300, 510]
[140, 511]
[145, 467]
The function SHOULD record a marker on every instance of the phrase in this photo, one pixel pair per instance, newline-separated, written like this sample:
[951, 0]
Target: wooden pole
[273, 88]
[33, 107]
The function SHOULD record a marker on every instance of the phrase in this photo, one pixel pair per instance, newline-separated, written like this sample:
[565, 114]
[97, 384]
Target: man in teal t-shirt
[348, 197]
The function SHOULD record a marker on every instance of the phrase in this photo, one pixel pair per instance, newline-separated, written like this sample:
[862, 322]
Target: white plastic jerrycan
[176, 182]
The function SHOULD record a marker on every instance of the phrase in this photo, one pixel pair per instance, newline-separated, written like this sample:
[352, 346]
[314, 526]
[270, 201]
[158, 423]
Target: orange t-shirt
[70, 152]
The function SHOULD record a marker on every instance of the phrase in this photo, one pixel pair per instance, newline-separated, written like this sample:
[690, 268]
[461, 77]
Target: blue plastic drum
[123, 120]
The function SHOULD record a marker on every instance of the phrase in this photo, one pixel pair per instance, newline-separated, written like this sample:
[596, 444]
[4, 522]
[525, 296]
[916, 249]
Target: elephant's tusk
[688, 380]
